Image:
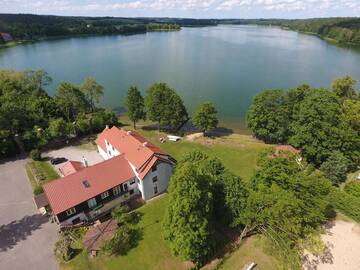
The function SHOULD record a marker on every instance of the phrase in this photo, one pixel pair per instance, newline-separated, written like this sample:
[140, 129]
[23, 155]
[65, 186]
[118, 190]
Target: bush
[38, 190]
[35, 154]
[123, 240]
[347, 204]
[353, 188]
[63, 248]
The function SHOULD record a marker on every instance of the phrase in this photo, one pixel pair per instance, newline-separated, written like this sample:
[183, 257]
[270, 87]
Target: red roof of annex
[70, 191]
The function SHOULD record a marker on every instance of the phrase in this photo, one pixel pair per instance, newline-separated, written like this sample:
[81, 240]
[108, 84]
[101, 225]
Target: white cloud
[288, 5]
[253, 8]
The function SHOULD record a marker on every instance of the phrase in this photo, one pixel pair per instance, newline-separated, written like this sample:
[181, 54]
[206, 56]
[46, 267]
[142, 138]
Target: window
[70, 211]
[132, 181]
[92, 203]
[113, 148]
[155, 190]
[125, 186]
[154, 168]
[131, 192]
[154, 179]
[104, 194]
[117, 190]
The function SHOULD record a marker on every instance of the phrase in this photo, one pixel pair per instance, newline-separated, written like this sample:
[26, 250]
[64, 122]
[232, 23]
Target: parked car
[59, 160]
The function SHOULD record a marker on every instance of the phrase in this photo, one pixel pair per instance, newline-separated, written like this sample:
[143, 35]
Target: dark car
[59, 160]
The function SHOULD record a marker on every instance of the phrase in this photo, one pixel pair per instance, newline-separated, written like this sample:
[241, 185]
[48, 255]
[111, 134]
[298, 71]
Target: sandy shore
[342, 241]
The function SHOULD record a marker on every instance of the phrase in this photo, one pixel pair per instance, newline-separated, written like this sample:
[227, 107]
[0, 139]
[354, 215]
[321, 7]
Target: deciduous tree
[134, 104]
[93, 91]
[164, 106]
[268, 116]
[205, 117]
[186, 224]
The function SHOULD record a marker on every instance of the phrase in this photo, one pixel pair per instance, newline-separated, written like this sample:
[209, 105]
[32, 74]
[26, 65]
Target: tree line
[342, 30]
[32, 27]
[165, 107]
[30, 116]
[323, 123]
[285, 201]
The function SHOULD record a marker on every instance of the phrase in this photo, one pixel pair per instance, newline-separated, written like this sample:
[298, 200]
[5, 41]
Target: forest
[341, 30]
[33, 27]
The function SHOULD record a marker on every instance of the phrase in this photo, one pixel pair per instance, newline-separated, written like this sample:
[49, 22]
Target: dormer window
[86, 184]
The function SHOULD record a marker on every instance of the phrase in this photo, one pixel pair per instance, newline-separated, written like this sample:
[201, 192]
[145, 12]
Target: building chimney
[84, 162]
[145, 144]
[129, 132]
[107, 127]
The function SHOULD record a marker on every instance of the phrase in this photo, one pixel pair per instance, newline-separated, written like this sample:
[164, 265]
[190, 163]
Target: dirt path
[343, 248]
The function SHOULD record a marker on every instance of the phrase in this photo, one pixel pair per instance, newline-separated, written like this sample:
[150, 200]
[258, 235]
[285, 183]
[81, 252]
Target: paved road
[26, 238]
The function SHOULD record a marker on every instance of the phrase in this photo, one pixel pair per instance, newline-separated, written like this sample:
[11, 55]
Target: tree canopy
[317, 121]
[134, 104]
[92, 91]
[164, 106]
[186, 224]
[205, 117]
[268, 116]
[36, 117]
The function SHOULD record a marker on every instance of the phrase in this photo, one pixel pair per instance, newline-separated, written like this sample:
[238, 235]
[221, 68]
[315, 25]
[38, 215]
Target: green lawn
[237, 152]
[40, 168]
[47, 169]
[250, 251]
[150, 253]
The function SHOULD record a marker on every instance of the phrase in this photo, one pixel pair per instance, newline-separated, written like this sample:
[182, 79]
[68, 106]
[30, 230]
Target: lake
[225, 64]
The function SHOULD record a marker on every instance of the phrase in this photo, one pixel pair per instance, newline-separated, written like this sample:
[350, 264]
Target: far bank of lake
[225, 64]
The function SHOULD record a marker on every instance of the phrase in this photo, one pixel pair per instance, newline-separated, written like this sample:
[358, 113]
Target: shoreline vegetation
[27, 28]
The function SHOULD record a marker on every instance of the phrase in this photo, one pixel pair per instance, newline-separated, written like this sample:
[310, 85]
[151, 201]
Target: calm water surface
[226, 64]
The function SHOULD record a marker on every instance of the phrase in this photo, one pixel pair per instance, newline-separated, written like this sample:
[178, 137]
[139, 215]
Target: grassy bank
[41, 170]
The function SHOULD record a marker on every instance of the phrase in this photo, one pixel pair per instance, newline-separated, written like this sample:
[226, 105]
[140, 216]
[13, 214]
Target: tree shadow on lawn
[18, 230]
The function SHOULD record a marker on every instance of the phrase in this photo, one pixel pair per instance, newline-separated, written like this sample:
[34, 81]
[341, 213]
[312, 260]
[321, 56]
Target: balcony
[105, 208]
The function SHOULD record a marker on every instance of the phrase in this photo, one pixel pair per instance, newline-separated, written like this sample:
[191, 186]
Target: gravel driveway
[26, 238]
[75, 153]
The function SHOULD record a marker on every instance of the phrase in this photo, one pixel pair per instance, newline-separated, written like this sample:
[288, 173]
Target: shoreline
[15, 43]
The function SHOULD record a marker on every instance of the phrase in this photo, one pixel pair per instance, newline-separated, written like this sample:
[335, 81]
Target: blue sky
[187, 8]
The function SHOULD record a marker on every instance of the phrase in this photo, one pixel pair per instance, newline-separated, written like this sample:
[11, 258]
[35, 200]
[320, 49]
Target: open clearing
[342, 239]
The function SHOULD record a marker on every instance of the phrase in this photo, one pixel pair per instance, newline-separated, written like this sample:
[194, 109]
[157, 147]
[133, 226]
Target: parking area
[74, 153]
[26, 238]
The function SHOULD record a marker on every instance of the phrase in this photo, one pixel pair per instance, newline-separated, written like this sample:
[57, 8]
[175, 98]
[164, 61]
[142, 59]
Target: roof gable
[137, 150]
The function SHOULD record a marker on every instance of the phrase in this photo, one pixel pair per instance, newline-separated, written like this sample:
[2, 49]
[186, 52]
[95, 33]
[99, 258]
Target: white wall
[163, 173]
[102, 153]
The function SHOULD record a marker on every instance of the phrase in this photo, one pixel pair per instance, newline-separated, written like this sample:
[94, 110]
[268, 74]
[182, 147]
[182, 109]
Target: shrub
[35, 154]
[353, 188]
[122, 242]
[347, 204]
[63, 248]
[38, 190]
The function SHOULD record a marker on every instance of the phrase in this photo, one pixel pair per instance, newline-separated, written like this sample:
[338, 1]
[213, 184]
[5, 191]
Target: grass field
[249, 251]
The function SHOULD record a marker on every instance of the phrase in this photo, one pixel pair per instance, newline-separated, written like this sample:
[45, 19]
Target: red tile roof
[71, 167]
[141, 153]
[69, 191]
